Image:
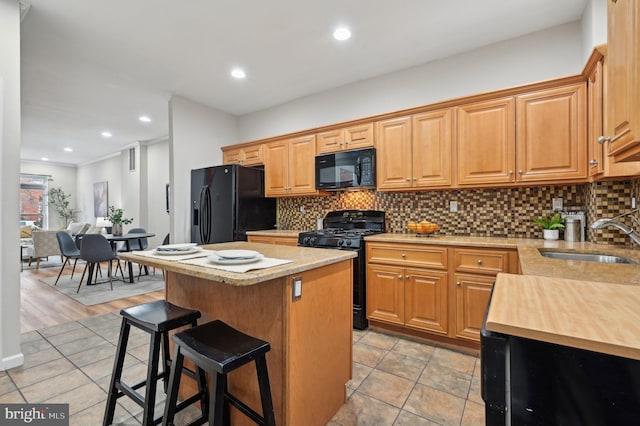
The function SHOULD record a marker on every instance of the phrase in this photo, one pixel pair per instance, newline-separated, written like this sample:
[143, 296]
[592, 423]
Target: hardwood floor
[43, 306]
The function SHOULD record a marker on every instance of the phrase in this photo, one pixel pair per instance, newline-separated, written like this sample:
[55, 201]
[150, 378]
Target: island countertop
[302, 259]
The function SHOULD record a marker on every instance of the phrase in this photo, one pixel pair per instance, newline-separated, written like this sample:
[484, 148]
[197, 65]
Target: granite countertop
[303, 259]
[276, 233]
[533, 263]
[596, 316]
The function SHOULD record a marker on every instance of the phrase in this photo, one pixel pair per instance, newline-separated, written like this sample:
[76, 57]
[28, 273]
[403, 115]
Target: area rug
[101, 292]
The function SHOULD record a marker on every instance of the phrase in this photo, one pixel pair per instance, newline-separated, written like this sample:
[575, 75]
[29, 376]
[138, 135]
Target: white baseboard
[12, 361]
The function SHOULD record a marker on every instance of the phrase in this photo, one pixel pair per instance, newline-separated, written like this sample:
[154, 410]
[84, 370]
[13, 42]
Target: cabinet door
[472, 298]
[432, 148]
[233, 156]
[385, 293]
[551, 138]
[252, 155]
[393, 157]
[330, 141]
[623, 89]
[360, 136]
[302, 175]
[426, 300]
[486, 142]
[276, 159]
[594, 120]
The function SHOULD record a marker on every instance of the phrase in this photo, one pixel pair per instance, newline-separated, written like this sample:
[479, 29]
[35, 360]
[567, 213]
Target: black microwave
[346, 169]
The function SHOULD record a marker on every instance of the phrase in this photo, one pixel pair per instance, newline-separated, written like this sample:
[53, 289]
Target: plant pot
[551, 234]
[117, 229]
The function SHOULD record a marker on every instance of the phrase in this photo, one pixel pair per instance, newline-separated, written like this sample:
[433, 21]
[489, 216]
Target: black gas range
[345, 230]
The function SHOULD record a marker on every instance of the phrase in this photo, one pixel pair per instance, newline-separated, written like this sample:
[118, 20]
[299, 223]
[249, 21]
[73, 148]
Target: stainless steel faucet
[607, 221]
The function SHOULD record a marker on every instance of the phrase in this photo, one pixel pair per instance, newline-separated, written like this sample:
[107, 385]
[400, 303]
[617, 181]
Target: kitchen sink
[586, 257]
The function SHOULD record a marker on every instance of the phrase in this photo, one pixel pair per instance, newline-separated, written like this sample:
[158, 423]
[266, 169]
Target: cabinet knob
[415, 179]
[510, 172]
[603, 139]
[399, 277]
[403, 255]
[479, 261]
[520, 172]
[407, 277]
[593, 162]
[458, 283]
[408, 179]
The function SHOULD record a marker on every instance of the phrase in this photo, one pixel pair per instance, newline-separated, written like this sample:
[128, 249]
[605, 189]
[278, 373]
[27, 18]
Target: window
[33, 191]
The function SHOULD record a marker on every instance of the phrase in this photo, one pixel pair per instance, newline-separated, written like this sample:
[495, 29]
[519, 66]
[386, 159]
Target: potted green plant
[551, 226]
[117, 220]
[60, 202]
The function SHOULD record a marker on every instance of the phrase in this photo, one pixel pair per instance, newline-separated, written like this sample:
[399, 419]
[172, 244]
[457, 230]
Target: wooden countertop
[276, 233]
[596, 316]
[303, 259]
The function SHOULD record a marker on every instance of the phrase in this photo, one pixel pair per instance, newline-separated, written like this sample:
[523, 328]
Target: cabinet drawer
[481, 261]
[397, 254]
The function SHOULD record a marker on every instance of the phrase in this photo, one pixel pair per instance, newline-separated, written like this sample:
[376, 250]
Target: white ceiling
[90, 66]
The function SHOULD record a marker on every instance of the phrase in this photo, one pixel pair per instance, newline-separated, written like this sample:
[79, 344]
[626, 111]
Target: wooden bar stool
[219, 349]
[156, 318]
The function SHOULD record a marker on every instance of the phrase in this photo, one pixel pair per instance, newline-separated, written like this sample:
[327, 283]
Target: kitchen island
[311, 336]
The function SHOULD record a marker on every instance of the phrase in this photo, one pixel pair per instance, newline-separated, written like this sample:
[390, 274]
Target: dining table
[127, 239]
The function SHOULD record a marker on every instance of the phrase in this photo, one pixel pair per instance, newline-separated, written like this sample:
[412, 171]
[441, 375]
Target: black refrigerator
[228, 201]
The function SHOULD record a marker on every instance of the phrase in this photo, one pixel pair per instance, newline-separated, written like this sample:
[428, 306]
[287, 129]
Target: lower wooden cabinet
[283, 241]
[439, 290]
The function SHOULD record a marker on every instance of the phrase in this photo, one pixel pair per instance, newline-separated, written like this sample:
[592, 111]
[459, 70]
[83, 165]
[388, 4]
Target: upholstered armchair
[45, 244]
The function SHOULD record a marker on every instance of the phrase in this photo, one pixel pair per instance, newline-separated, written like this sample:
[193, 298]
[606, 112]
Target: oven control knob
[312, 240]
[348, 242]
[305, 241]
[340, 241]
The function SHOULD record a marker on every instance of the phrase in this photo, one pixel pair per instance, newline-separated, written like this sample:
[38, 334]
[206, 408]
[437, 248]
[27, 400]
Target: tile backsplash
[505, 212]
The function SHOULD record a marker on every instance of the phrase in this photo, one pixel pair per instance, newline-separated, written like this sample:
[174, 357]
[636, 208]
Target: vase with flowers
[117, 219]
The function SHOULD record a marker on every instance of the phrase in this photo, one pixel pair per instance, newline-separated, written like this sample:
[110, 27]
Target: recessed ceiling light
[342, 34]
[145, 119]
[44, 159]
[106, 134]
[238, 73]
[68, 149]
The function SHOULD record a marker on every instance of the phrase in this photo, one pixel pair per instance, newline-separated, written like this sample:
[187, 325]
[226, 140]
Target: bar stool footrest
[246, 410]
[130, 392]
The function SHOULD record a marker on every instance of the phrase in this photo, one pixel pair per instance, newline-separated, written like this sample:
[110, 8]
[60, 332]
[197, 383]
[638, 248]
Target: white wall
[64, 177]
[109, 170]
[132, 198]
[10, 355]
[544, 55]
[157, 179]
[594, 26]
[196, 134]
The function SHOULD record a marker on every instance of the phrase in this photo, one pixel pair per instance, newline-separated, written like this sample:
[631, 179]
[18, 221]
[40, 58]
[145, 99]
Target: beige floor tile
[80, 345]
[26, 377]
[141, 352]
[362, 410]
[402, 365]
[34, 346]
[446, 379]
[30, 336]
[413, 349]
[6, 385]
[367, 355]
[359, 372]
[406, 418]
[44, 390]
[62, 338]
[358, 334]
[12, 398]
[379, 340]
[101, 322]
[475, 392]
[111, 336]
[40, 357]
[435, 405]
[94, 415]
[455, 360]
[473, 414]
[386, 387]
[81, 398]
[61, 328]
[104, 367]
[96, 353]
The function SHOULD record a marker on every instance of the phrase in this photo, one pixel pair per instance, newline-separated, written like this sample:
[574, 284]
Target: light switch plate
[296, 288]
[556, 204]
[453, 206]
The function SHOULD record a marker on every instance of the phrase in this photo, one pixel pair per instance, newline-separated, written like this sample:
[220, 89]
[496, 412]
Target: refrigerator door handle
[205, 222]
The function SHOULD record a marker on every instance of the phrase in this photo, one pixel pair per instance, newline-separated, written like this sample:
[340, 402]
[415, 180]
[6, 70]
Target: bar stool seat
[219, 349]
[156, 318]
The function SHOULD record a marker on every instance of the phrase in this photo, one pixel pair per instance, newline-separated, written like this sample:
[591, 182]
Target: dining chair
[95, 249]
[137, 245]
[69, 251]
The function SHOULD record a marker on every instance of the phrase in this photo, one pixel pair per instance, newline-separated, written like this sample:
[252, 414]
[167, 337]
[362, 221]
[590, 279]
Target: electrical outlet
[453, 206]
[634, 202]
[296, 288]
[556, 204]
[301, 209]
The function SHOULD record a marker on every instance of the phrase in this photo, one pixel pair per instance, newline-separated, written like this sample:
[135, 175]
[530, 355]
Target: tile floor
[395, 381]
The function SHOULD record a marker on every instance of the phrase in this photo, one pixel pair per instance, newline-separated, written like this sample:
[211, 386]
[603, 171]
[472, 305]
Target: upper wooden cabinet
[552, 134]
[287, 167]
[246, 156]
[486, 142]
[623, 85]
[595, 81]
[360, 136]
[415, 152]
